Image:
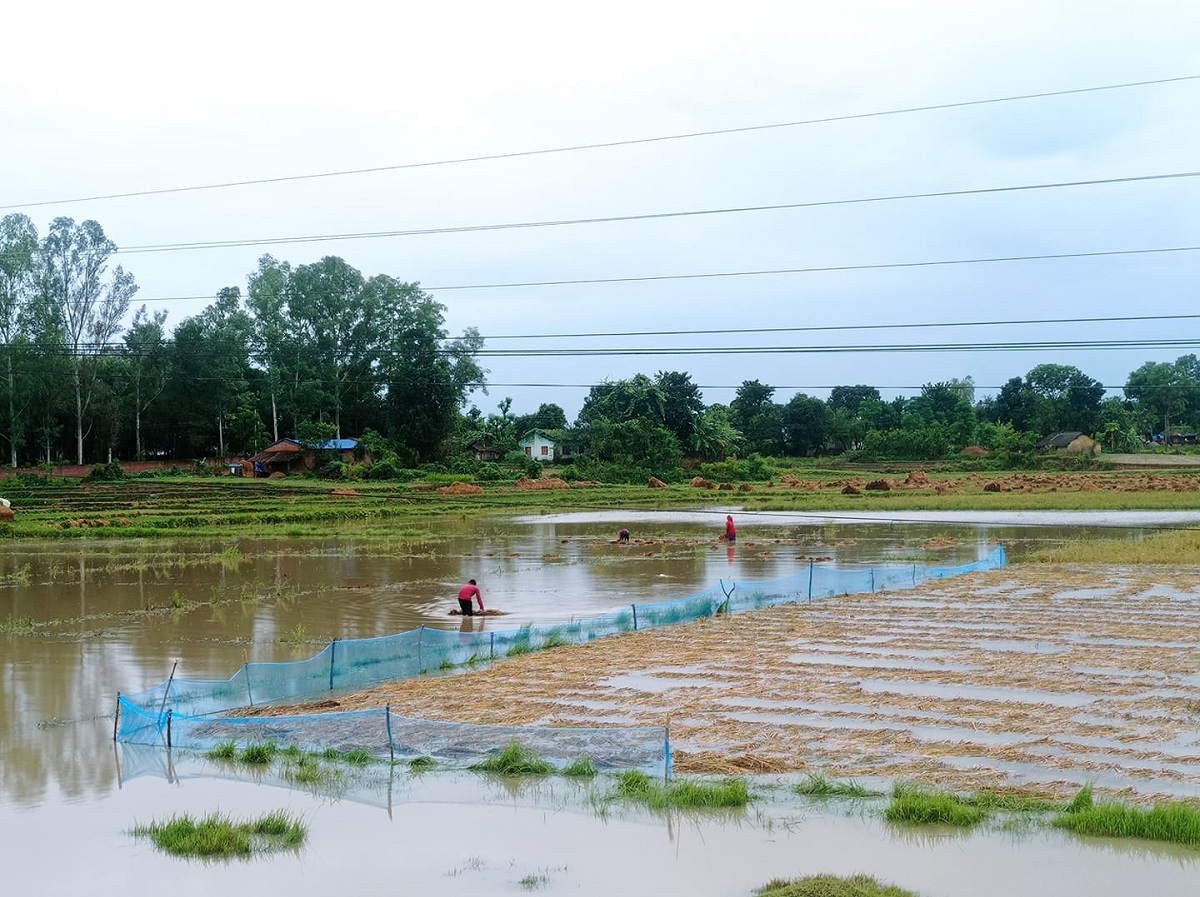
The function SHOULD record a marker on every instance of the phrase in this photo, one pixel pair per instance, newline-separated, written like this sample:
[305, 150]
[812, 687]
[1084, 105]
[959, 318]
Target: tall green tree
[851, 398]
[758, 418]
[339, 318]
[18, 261]
[637, 398]
[805, 424]
[682, 403]
[427, 375]
[1066, 398]
[211, 363]
[715, 438]
[88, 307]
[148, 368]
[1165, 390]
[274, 345]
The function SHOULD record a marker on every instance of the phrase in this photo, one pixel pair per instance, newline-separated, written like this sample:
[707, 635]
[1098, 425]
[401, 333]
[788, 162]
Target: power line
[862, 348]
[613, 219]
[817, 270]
[843, 327]
[606, 144]
[93, 349]
[1120, 319]
[771, 271]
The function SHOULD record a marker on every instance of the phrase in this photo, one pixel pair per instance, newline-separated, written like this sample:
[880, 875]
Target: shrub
[106, 473]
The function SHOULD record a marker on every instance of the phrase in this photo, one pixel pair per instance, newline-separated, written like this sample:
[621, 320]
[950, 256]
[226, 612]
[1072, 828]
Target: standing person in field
[730, 529]
[465, 594]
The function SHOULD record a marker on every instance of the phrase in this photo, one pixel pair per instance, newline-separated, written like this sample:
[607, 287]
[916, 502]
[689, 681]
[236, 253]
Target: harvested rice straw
[1062, 671]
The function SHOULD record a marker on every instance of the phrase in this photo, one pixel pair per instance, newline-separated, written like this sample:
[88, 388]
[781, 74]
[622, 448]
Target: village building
[483, 450]
[1068, 441]
[289, 456]
[539, 445]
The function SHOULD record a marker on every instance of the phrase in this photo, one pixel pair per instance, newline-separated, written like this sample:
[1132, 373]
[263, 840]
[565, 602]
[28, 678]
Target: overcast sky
[137, 96]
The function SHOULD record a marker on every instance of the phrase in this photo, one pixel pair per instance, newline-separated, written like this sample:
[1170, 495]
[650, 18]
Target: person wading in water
[465, 594]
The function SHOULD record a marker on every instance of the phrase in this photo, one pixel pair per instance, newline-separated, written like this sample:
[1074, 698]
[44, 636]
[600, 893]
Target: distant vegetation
[322, 350]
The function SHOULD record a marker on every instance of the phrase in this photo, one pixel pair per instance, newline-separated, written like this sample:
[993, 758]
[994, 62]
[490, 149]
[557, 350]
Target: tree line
[321, 350]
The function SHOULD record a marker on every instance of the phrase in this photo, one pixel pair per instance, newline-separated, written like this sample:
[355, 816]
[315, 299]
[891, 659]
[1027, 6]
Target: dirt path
[1148, 461]
[1038, 675]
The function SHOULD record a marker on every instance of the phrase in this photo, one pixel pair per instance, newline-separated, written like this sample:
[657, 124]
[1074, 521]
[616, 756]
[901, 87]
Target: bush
[753, 467]
[106, 473]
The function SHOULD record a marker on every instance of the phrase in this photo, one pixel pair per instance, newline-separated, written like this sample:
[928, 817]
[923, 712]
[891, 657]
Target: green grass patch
[446, 664]
[1175, 821]
[832, 886]
[821, 786]
[583, 768]
[637, 787]
[514, 760]
[1012, 802]
[16, 624]
[1157, 548]
[226, 750]
[554, 640]
[259, 754]
[421, 764]
[916, 806]
[308, 770]
[218, 835]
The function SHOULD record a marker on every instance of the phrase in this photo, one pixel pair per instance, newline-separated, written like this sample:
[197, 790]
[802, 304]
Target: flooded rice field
[1048, 676]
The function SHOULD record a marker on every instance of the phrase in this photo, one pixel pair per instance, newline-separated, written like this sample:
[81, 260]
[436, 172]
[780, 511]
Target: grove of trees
[323, 350]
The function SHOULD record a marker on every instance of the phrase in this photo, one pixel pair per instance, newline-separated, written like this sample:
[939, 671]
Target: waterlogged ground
[1044, 676]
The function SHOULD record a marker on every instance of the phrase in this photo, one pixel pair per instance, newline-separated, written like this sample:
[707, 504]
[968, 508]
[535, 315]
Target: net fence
[195, 713]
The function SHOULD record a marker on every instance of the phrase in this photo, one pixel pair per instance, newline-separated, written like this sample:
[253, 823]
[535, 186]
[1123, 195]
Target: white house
[537, 444]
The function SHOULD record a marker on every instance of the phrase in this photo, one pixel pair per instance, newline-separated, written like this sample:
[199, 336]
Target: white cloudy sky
[134, 96]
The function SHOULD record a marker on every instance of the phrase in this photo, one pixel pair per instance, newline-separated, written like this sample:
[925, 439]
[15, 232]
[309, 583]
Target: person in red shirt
[730, 529]
[465, 594]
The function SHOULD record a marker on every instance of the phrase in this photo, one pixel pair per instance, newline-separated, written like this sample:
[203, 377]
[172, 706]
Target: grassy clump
[916, 806]
[307, 770]
[638, 787]
[259, 754]
[16, 624]
[518, 648]
[1175, 821]
[820, 786]
[225, 750]
[514, 760]
[217, 835]
[422, 764]
[831, 886]
[1011, 801]
[582, 768]
[554, 640]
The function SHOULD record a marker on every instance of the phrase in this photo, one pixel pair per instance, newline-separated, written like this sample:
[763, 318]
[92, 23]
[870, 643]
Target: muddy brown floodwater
[1048, 676]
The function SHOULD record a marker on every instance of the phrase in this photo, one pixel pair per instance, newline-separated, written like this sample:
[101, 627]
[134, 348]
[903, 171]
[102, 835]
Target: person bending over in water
[623, 537]
[465, 594]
